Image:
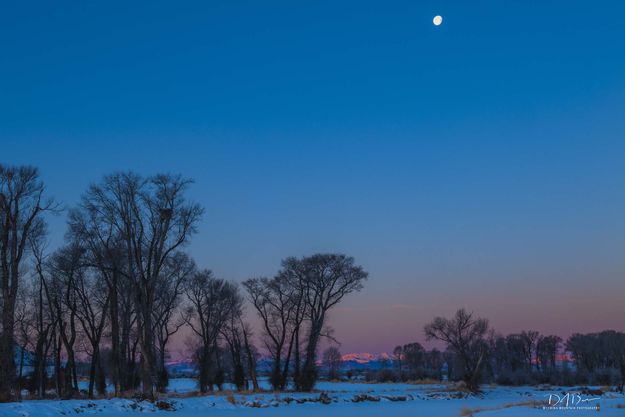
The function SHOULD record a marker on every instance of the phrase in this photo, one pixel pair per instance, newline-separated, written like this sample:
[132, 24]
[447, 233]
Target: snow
[178, 385]
[182, 385]
[401, 400]
[364, 358]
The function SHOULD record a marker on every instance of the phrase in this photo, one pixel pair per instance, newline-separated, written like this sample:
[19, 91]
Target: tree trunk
[21, 368]
[276, 375]
[94, 358]
[251, 362]
[100, 376]
[146, 344]
[204, 370]
[162, 379]
[309, 371]
[57, 365]
[7, 356]
[115, 346]
[285, 371]
[70, 382]
[147, 358]
[297, 359]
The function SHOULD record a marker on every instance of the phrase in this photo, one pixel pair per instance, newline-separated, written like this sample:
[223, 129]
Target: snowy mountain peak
[364, 357]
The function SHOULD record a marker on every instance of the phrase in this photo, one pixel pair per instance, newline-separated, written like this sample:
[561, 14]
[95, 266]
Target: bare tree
[46, 319]
[92, 307]
[332, 359]
[152, 220]
[25, 326]
[273, 300]
[325, 279]
[291, 274]
[546, 352]
[303, 290]
[434, 363]
[232, 333]
[398, 356]
[529, 339]
[64, 271]
[466, 337]
[104, 252]
[250, 354]
[211, 303]
[175, 273]
[593, 352]
[22, 205]
[414, 359]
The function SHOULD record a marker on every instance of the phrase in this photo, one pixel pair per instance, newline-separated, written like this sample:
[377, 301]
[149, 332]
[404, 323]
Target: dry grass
[425, 382]
[459, 387]
[620, 406]
[230, 398]
[468, 412]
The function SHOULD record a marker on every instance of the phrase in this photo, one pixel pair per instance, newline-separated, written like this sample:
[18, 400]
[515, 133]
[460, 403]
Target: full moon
[437, 20]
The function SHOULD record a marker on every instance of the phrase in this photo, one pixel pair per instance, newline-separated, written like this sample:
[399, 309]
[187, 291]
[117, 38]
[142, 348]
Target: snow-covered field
[334, 400]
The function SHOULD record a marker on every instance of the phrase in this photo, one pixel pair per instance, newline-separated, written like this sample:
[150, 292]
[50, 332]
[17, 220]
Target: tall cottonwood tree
[250, 353]
[104, 252]
[465, 337]
[332, 359]
[25, 324]
[212, 301]
[291, 274]
[176, 272]
[295, 303]
[151, 220]
[324, 280]
[547, 351]
[595, 351]
[92, 307]
[274, 302]
[63, 272]
[233, 334]
[22, 205]
[45, 319]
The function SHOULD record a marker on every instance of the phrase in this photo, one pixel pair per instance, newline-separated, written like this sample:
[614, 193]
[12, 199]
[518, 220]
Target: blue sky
[477, 164]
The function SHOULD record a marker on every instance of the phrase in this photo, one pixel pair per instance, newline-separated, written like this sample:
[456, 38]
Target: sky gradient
[479, 164]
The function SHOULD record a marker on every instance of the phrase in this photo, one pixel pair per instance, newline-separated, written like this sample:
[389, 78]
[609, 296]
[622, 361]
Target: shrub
[382, 375]
[515, 378]
[604, 376]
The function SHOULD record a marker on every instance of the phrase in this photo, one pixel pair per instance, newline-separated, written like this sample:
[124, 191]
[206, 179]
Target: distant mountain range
[356, 361]
[363, 358]
[359, 361]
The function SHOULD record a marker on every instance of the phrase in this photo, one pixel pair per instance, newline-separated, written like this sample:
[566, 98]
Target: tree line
[123, 284]
[475, 353]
